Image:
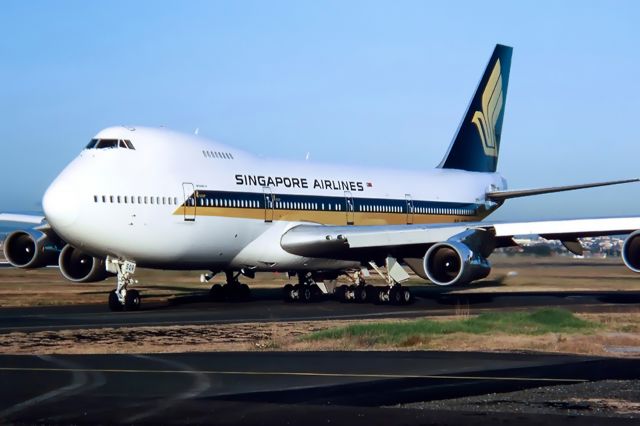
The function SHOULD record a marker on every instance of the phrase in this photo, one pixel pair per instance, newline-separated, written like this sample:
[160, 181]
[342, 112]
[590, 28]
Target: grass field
[514, 323]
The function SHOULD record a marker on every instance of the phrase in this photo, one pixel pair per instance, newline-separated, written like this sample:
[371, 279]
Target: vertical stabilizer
[476, 145]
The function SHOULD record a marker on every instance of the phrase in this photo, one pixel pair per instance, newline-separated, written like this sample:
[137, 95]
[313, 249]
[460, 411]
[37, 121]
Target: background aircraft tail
[476, 145]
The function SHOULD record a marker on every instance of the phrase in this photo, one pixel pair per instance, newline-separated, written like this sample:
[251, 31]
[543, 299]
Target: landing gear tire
[114, 303]
[341, 292]
[361, 294]
[216, 293]
[395, 296]
[306, 294]
[406, 296]
[244, 292]
[132, 300]
[287, 293]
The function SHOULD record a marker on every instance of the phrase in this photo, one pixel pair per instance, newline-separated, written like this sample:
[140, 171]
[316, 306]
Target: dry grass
[616, 332]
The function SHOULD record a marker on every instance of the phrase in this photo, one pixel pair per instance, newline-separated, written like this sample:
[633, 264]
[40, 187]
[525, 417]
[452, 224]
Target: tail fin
[476, 144]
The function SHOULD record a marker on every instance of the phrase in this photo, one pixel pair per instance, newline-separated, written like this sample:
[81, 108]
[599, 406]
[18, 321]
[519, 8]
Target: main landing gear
[233, 290]
[361, 292]
[123, 297]
[306, 291]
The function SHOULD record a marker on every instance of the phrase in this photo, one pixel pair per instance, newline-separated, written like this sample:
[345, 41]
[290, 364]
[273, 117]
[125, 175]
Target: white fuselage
[178, 201]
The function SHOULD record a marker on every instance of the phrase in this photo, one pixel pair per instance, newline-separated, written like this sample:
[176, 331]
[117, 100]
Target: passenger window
[126, 199]
[95, 198]
[104, 199]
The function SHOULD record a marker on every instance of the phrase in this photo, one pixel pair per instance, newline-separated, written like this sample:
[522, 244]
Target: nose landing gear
[123, 297]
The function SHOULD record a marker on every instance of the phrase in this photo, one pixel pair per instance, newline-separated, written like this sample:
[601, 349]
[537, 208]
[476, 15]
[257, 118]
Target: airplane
[156, 198]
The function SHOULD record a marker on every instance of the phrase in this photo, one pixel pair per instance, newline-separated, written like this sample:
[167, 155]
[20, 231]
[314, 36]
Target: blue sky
[376, 83]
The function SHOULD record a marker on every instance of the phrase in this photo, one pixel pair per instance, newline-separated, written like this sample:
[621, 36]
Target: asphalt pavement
[286, 388]
[267, 306]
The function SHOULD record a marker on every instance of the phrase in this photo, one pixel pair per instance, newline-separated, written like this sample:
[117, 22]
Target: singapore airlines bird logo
[486, 119]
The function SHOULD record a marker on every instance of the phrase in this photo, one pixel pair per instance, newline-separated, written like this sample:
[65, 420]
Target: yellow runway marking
[294, 374]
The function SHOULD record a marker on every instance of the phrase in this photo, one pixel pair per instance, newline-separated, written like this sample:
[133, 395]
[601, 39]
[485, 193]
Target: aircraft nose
[60, 203]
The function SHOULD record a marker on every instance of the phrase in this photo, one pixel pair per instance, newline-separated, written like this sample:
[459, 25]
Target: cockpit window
[109, 143]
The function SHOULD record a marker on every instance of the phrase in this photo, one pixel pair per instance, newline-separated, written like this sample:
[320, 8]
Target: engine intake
[30, 249]
[453, 262]
[631, 251]
[79, 267]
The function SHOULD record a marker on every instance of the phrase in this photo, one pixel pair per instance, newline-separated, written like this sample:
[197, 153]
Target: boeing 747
[154, 198]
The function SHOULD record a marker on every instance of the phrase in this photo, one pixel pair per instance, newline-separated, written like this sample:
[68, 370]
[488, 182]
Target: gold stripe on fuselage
[336, 217]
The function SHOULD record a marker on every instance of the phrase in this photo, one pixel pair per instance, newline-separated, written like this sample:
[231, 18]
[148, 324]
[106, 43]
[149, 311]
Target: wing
[10, 222]
[460, 243]
[22, 218]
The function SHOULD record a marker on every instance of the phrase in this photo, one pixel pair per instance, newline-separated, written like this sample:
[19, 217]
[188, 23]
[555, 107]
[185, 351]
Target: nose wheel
[123, 297]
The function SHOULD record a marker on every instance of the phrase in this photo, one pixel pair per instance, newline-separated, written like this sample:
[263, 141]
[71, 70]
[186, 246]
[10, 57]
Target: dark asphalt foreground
[266, 305]
[310, 388]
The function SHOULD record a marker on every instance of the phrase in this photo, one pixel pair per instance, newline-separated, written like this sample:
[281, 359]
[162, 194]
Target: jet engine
[453, 262]
[79, 267]
[30, 249]
[631, 251]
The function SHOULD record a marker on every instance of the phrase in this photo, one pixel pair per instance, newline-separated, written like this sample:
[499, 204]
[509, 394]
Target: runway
[266, 306]
[279, 388]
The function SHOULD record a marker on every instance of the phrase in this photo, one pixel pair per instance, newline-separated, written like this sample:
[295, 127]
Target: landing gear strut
[306, 291]
[393, 292]
[358, 292]
[233, 289]
[123, 297]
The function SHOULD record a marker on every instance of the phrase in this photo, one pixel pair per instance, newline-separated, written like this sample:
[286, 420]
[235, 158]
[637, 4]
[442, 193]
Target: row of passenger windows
[132, 199]
[291, 205]
[109, 143]
[419, 210]
[217, 154]
[281, 205]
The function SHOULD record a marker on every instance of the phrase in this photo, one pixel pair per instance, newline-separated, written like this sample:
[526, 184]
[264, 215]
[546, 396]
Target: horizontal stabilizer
[504, 195]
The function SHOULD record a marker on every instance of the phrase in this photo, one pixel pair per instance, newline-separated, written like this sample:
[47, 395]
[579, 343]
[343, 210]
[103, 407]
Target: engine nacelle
[453, 262]
[30, 249]
[631, 251]
[79, 267]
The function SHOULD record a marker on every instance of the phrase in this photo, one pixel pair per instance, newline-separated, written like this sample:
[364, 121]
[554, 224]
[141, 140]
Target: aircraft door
[410, 210]
[349, 207]
[190, 204]
[268, 204]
